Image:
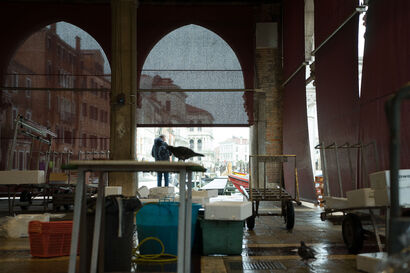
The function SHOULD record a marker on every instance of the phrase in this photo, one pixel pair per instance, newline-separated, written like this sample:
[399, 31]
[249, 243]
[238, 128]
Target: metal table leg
[188, 226]
[78, 202]
[181, 222]
[376, 231]
[97, 225]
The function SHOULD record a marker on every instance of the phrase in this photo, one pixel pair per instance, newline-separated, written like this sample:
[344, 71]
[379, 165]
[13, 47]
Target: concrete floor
[269, 245]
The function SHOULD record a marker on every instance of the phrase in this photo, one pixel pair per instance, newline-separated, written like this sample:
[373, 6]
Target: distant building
[80, 119]
[236, 151]
[171, 108]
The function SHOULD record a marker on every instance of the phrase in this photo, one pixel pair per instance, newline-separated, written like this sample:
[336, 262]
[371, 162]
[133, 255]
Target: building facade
[78, 116]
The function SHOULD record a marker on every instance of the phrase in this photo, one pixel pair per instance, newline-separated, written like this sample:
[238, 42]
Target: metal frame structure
[79, 232]
[278, 193]
[34, 131]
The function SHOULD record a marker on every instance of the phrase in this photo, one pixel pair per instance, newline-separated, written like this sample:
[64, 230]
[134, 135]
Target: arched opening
[191, 86]
[59, 80]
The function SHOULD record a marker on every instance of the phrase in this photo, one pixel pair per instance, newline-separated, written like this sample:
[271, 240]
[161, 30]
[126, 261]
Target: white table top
[133, 165]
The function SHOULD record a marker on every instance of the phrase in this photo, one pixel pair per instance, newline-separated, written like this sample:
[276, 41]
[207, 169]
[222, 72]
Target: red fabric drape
[295, 130]
[386, 66]
[336, 82]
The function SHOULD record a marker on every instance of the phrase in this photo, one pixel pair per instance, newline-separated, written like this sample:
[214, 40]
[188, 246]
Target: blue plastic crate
[160, 220]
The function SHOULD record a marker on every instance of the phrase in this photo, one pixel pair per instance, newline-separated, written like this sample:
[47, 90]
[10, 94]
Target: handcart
[272, 168]
[355, 223]
[32, 131]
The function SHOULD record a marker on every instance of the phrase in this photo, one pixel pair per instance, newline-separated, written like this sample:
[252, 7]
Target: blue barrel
[160, 220]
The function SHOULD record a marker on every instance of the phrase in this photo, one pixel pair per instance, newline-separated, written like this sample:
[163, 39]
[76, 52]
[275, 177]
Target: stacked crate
[319, 190]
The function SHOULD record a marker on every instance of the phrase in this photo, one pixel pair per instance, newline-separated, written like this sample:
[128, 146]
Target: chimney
[77, 43]
[53, 28]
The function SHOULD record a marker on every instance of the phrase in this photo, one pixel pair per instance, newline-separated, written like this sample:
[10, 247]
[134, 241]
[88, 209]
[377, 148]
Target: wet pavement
[268, 248]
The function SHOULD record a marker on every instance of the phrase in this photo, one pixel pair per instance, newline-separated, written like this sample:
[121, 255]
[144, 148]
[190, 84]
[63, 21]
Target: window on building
[48, 42]
[21, 160]
[102, 116]
[49, 99]
[14, 116]
[27, 167]
[28, 85]
[191, 144]
[168, 106]
[84, 140]
[199, 144]
[84, 109]
[28, 114]
[49, 69]
[15, 81]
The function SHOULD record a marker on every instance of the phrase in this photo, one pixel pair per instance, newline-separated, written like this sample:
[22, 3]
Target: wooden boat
[239, 180]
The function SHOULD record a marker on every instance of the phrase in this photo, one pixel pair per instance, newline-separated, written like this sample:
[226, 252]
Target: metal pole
[294, 73]
[358, 10]
[339, 175]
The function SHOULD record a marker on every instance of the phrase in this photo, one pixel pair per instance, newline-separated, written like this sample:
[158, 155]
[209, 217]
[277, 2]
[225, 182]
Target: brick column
[269, 123]
[123, 90]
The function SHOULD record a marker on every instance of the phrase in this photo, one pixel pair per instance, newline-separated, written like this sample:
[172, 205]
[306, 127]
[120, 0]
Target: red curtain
[295, 130]
[336, 80]
[386, 66]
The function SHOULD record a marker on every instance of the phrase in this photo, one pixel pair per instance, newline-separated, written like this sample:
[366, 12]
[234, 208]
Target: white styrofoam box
[199, 193]
[17, 227]
[205, 193]
[382, 197]
[234, 211]
[360, 198]
[162, 190]
[21, 177]
[197, 199]
[113, 190]
[369, 262]
[145, 201]
[381, 180]
[335, 202]
[212, 193]
[143, 192]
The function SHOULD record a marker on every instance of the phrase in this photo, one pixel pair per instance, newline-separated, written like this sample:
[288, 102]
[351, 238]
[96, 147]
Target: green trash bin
[222, 237]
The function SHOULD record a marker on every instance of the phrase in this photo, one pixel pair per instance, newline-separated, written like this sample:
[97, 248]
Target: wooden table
[184, 169]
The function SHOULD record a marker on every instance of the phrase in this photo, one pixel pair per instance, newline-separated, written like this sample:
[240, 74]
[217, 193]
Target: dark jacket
[160, 150]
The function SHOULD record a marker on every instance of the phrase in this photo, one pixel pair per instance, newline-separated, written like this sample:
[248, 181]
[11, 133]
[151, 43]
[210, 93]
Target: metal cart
[354, 221]
[256, 194]
[33, 131]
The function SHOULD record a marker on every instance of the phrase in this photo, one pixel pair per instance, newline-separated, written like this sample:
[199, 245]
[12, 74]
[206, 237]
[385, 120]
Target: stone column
[123, 90]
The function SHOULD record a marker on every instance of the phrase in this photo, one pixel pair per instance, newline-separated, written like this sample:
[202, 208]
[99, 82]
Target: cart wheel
[352, 233]
[323, 216]
[25, 196]
[250, 222]
[289, 215]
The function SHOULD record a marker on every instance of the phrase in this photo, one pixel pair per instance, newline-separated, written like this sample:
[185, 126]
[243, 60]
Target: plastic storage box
[369, 262]
[50, 239]
[360, 198]
[21, 177]
[234, 211]
[222, 237]
[160, 220]
[381, 180]
[335, 202]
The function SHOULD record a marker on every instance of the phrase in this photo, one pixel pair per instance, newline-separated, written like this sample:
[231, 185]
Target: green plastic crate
[222, 237]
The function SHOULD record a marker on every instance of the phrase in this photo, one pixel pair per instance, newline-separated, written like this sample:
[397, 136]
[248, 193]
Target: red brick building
[80, 118]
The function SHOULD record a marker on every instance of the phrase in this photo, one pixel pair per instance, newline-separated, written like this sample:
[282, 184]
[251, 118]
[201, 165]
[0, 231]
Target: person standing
[161, 153]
